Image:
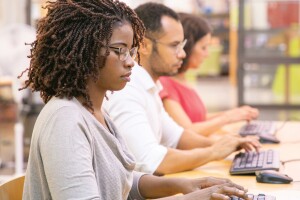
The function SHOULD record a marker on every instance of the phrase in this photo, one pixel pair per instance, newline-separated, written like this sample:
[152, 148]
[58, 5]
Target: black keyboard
[257, 128]
[249, 162]
[256, 197]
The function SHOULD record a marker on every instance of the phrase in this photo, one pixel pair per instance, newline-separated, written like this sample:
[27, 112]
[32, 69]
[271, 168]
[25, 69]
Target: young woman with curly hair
[83, 49]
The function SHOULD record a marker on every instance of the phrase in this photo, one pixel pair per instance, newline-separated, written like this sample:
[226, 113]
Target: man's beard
[156, 60]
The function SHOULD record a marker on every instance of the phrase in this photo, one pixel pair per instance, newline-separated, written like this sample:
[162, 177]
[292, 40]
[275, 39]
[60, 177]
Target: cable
[291, 160]
[280, 127]
[292, 142]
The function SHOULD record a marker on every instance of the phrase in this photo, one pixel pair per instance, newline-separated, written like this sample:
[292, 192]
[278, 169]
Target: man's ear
[146, 47]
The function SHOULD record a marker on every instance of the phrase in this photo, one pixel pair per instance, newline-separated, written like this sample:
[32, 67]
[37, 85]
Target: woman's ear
[146, 47]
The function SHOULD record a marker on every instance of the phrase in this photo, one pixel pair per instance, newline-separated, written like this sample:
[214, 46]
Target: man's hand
[231, 143]
[250, 143]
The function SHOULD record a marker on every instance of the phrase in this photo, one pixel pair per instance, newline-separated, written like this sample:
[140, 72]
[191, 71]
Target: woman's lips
[126, 77]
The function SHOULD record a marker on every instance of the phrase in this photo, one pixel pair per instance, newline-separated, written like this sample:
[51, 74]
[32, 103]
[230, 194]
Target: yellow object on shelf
[279, 84]
[293, 82]
[212, 64]
[210, 67]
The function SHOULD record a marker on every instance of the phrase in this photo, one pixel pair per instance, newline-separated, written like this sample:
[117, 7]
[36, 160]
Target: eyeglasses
[178, 46]
[124, 52]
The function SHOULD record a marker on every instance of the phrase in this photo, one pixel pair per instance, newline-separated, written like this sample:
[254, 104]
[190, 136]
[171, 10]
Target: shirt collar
[145, 79]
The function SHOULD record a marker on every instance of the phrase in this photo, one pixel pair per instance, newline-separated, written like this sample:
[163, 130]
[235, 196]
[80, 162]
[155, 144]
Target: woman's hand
[191, 185]
[242, 113]
[217, 192]
[199, 188]
[225, 191]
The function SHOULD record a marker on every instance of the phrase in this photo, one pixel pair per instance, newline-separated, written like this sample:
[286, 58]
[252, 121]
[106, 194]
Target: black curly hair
[195, 27]
[69, 38]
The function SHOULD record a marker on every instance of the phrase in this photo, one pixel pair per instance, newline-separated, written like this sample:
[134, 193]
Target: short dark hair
[195, 28]
[151, 14]
[69, 38]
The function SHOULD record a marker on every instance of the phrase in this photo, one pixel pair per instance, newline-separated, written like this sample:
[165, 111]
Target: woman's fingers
[225, 192]
[217, 196]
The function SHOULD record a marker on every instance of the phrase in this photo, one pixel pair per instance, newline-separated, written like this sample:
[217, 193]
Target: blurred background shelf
[268, 54]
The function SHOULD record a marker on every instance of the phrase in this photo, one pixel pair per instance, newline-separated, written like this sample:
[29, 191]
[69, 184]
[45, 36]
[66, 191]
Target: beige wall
[177, 5]
[134, 3]
[12, 11]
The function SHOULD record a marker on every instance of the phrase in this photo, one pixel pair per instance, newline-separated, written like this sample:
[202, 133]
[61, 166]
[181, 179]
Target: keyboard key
[261, 197]
[255, 197]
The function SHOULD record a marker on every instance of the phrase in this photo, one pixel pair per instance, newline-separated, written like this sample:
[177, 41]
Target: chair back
[12, 189]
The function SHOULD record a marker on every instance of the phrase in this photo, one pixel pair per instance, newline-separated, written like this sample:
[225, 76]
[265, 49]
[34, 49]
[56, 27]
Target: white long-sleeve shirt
[140, 117]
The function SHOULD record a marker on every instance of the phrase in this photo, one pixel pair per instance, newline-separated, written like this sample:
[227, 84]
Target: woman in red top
[181, 101]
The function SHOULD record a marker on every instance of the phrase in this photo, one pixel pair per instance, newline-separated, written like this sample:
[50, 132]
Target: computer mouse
[272, 176]
[268, 138]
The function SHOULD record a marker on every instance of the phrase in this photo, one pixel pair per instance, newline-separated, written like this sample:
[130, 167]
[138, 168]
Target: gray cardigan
[72, 156]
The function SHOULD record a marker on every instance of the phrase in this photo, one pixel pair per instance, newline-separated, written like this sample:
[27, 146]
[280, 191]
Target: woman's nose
[129, 62]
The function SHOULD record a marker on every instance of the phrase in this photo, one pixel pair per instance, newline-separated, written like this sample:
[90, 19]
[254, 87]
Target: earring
[106, 97]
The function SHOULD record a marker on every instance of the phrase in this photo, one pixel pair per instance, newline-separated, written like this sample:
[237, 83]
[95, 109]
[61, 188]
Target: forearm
[155, 187]
[209, 126]
[190, 140]
[202, 188]
[213, 115]
[163, 188]
[203, 194]
[238, 114]
[214, 192]
[183, 160]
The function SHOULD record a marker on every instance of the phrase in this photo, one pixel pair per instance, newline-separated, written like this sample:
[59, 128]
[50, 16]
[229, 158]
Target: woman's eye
[116, 51]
